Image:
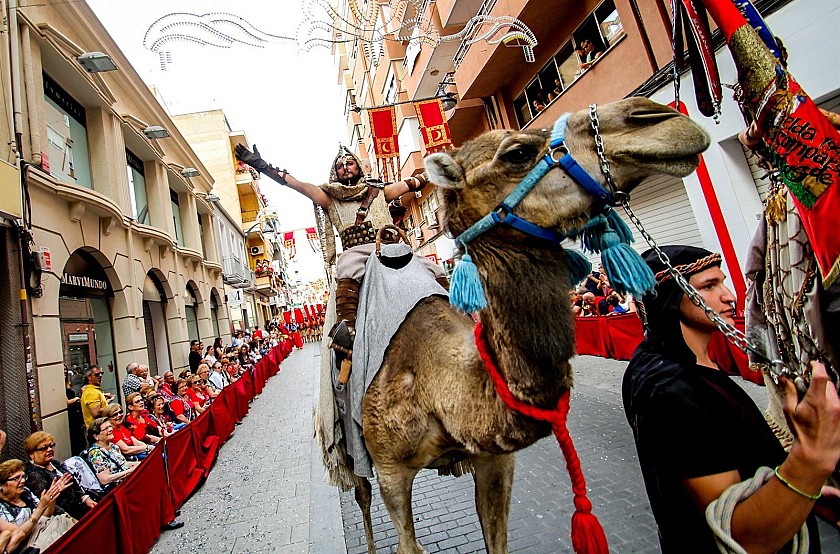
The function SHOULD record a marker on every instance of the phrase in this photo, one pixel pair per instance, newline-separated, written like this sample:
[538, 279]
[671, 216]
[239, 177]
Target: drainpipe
[637, 15]
[6, 77]
[24, 234]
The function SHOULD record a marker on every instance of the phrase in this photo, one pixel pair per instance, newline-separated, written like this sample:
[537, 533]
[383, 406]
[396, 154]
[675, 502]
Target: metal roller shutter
[662, 204]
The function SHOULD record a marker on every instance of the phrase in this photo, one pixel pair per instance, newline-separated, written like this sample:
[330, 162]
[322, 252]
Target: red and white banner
[289, 242]
[383, 126]
[433, 125]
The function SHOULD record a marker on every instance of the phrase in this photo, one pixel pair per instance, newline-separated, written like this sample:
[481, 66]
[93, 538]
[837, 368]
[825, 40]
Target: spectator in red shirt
[128, 444]
[181, 405]
[167, 387]
[196, 392]
[138, 420]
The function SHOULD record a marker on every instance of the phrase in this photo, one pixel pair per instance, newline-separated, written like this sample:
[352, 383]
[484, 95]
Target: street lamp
[96, 62]
[449, 101]
[154, 132]
[190, 172]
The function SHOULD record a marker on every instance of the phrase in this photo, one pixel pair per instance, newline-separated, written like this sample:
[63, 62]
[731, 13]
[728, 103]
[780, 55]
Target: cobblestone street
[266, 493]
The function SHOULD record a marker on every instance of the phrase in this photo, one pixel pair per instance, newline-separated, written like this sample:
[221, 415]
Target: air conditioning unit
[418, 233]
[257, 250]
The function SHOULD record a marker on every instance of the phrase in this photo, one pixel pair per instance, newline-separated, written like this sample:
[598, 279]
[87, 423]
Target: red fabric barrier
[297, 339]
[228, 397]
[260, 375]
[623, 334]
[206, 444]
[242, 390]
[184, 473]
[144, 504]
[589, 337]
[98, 531]
[732, 359]
[220, 418]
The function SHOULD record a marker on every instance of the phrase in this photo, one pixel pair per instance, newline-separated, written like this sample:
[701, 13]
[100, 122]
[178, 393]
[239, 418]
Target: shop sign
[77, 337]
[234, 297]
[83, 276]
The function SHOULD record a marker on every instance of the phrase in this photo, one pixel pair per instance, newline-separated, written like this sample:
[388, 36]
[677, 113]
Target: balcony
[265, 285]
[236, 273]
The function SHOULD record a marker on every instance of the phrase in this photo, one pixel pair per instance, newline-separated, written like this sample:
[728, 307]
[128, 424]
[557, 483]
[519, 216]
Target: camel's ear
[444, 171]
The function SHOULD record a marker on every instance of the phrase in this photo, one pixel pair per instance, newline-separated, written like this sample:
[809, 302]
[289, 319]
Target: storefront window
[85, 313]
[214, 315]
[191, 315]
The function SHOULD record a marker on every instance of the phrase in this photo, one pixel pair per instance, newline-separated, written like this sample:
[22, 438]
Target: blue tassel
[617, 224]
[627, 271]
[590, 237]
[465, 291]
[579, 266]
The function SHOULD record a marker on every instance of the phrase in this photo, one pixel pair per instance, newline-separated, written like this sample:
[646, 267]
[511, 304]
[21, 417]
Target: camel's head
[640, 138]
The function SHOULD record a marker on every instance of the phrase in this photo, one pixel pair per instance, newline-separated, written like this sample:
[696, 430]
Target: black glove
[251, 158]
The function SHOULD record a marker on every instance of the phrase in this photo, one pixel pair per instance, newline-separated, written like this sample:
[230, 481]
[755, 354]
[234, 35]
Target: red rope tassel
[587, 534]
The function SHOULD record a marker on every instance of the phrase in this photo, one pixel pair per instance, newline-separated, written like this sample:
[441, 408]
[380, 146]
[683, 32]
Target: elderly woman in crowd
[21, 512]
[196, 394]
[158, 418]
[43, 469]
[128, 444]
[206, 387]
[108, 462]
[138, 421]
[181, 405]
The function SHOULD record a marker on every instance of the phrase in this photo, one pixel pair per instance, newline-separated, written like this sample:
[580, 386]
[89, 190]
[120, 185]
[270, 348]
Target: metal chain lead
[732, 334]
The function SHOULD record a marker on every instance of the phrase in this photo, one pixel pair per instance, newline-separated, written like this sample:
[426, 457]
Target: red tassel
[587, 534]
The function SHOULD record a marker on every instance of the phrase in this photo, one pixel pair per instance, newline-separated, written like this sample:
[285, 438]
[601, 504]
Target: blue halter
[605, 231]
[558, 155]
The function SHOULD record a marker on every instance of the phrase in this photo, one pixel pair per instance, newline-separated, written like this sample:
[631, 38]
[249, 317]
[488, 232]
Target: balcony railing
[236, 272]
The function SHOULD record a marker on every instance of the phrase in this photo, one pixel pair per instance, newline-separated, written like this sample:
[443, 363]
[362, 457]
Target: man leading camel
[357, 210]
[698, 433]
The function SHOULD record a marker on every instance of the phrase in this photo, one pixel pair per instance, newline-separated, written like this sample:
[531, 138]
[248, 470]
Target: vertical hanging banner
[433, 125]
[312, 237]
[289, 242]
[383, 127]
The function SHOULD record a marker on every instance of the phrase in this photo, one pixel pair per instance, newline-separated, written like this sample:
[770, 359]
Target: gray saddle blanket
[386, 297]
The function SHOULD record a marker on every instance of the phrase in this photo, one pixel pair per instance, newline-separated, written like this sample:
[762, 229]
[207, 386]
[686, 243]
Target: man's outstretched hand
[251, 158]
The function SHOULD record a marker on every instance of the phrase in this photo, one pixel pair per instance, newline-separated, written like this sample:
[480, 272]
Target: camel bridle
[558, 155]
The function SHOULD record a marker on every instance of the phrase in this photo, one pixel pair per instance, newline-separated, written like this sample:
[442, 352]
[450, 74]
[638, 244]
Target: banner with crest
[383, 128]
[289, 242]
[433, 125]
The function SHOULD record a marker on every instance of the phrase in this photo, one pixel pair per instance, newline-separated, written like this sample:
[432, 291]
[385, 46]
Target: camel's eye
[519, 155]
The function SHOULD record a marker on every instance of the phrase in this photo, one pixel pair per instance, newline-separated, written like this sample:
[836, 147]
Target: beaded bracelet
[794, 489]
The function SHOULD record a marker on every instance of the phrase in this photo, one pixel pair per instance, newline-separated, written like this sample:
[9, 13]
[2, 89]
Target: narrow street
[266, 492]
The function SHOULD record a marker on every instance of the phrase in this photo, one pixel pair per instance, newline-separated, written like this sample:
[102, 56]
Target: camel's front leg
[395, 487]
[363, 493]
[493, 481]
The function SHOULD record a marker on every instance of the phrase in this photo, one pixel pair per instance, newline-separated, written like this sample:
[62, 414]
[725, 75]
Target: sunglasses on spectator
[50, 446]
[98, 374]
[117, 414]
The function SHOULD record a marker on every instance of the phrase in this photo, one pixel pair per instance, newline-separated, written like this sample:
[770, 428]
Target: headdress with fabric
[662, 307]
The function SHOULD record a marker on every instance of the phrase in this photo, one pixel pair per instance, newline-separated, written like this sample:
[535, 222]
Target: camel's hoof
[416, 550]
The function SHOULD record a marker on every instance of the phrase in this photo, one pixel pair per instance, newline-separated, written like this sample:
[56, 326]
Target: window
[201, 236]
[67, 148]
[602, 28]
[137, 188]
[491, 111]
[428, 208]
[391, 87]
[214, 315]
[351, 102]
[176, 217]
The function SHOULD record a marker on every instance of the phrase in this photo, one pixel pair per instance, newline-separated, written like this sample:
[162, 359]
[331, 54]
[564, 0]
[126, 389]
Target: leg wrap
[444, 282]
[347, 301]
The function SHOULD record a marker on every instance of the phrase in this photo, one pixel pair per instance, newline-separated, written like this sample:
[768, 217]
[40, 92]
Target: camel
[432, 401]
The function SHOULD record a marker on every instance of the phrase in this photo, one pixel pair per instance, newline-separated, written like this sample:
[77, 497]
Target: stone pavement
[266, 493]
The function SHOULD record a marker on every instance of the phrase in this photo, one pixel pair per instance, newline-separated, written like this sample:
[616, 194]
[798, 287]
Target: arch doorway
[84, 309]
[154, 319]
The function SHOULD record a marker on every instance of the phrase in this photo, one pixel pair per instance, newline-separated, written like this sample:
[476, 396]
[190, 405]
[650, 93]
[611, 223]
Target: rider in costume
[357, 207]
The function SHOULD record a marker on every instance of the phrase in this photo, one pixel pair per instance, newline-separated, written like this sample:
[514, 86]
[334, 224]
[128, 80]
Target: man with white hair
[132, 380]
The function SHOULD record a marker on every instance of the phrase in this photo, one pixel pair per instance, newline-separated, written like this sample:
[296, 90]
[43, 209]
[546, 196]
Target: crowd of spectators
[595, 297]
[587, 53]
[42, 498]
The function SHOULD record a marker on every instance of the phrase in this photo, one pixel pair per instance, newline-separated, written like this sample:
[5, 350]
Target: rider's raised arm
[410, 184]
[282, 176]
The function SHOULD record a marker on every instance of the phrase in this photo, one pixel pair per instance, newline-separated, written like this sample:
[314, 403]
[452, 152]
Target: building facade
[631, 54]
[128, 268]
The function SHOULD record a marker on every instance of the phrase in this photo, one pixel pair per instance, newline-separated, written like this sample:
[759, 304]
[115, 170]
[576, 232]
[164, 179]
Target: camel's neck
[528, 320]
